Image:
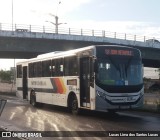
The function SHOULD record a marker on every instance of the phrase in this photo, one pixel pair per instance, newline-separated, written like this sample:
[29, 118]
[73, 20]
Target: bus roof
[55, 54]
[58, 54]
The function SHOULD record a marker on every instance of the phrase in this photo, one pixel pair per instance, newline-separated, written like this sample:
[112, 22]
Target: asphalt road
[21, 116]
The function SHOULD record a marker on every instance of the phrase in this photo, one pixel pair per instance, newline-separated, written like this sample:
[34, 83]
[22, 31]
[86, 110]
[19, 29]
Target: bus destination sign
[118, 52]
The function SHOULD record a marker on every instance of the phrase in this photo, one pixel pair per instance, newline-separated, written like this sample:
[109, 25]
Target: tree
[5, 76]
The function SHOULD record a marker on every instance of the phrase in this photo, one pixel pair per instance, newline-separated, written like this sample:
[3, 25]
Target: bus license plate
[124, 107]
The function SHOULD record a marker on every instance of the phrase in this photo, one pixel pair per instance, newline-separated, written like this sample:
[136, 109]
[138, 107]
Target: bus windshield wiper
[127, 65]
[116, 66]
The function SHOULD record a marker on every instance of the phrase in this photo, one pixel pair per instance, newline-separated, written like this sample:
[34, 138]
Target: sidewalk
[152, 102]
[7, 89]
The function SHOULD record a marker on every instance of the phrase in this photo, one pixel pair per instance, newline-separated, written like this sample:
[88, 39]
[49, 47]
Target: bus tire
[73, 105]
[33, 99]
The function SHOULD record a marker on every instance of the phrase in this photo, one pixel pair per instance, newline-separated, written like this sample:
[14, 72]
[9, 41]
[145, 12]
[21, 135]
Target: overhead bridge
[31, 41]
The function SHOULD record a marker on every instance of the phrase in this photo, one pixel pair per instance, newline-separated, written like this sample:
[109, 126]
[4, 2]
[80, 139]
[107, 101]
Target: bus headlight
[101, 94]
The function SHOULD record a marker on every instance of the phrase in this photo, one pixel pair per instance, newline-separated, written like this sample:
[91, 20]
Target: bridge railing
[74, 31]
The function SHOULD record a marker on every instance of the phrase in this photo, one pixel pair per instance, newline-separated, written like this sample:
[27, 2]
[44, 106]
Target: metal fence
[73, 31]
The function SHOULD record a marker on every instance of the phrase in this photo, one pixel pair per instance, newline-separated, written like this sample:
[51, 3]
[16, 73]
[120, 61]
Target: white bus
[99, 77]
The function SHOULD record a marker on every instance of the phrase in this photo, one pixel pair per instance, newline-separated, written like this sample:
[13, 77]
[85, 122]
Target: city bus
[98, 77]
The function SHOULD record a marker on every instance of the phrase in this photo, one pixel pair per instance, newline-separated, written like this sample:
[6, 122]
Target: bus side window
[57, 64]
[30, 70]
[19, 71]
[46, 68]
[34, 69]
[38, 69]
[66, 66]
[70, 66]
[60, 67]
[53, 68]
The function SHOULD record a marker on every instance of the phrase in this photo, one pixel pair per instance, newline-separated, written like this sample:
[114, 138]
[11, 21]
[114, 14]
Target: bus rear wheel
[73, 105]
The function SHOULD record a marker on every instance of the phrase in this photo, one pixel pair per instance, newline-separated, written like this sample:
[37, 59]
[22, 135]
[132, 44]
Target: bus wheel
[74, 105]
[33, 101]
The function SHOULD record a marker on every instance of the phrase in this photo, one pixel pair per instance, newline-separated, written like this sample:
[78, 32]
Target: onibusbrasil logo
[2, 105]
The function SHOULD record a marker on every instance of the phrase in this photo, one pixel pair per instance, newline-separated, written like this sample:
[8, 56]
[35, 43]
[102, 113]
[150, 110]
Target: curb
[8, 93]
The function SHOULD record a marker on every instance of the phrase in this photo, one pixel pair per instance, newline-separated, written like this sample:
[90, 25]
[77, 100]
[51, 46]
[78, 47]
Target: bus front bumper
[103, 104]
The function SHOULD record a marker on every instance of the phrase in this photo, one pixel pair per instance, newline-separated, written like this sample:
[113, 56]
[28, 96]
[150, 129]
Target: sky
[140, 17]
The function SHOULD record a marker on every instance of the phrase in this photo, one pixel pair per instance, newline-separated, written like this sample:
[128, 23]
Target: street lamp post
[56, 19]
[56, 23]
[12, 15]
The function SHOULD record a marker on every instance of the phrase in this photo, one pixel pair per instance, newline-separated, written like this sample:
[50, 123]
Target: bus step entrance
[85, 104]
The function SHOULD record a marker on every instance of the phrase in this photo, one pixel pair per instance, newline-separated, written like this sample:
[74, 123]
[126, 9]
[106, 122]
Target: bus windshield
[120, 71]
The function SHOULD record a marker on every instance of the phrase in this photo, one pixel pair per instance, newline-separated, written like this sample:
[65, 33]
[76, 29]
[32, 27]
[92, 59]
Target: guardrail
[73, 31]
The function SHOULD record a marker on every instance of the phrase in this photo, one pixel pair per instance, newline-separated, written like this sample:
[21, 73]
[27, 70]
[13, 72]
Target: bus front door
[25, 82]
[85, 82]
